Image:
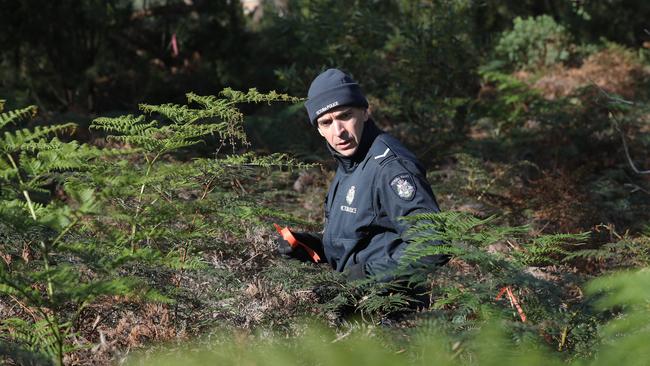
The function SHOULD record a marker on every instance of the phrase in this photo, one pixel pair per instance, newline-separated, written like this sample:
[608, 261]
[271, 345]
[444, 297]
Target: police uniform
[371, 190]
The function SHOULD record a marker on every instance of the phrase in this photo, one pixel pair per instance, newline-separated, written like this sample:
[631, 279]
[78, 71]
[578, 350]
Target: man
[377, 181]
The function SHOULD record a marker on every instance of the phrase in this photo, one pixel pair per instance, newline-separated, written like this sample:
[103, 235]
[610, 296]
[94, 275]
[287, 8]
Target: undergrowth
[131, 244]
[83, 224]
[492, 342]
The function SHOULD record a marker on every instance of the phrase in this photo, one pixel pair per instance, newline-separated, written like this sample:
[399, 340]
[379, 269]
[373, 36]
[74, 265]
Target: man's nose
[338, 127]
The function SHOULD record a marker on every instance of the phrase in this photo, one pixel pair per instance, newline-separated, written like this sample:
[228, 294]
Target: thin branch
[25, 307]
[635, 188]
[625, 147]
[618, 128]
[609, 96]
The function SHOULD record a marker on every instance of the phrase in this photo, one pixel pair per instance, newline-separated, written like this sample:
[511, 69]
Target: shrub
[415, 60]
[534, 43]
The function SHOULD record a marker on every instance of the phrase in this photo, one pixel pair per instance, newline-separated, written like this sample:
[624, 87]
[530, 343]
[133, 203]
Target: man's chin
[347, 152]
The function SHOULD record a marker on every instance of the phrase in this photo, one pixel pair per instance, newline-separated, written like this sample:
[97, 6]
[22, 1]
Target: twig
[609, 96]
[635, 188]
[565, 333]
[626, 148]
[25, 307]
[618, 128]
[250, 259]
[342, 336]
[241, 186]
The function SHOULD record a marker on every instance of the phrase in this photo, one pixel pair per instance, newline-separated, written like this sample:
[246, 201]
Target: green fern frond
[146, 143]
[8, 290]
[188, 125]
[455, 295]
[12, 142]
[624, 253]
[593, 254]
[458, 227]
[228, 126]
[551, 248]
[254, 96]
[128, 124]
[178, 114]
[268, 161]
[43, 144]
[184, 261]
[197, 131]
[38, 336]
[220, 109]
[384, 303]
[17, 115]
[20, 208]
[23, 356]
[629, 331]
[7, 171]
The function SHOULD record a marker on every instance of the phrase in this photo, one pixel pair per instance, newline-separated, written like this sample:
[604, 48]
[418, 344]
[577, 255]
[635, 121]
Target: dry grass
[557, 202]
[615, 71]
[115, 326]
[266, 302]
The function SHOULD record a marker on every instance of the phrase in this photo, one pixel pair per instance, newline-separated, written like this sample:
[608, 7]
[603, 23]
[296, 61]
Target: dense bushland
[152, 230]
[82, 224]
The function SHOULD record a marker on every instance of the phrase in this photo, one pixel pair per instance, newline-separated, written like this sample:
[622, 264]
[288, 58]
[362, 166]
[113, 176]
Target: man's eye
[324, 123]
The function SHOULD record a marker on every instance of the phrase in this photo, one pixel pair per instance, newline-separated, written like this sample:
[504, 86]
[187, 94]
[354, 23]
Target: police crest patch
[403, 186]
[350, 196]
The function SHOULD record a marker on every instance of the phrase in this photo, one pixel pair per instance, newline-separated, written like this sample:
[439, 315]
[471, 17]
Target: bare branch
[627, 150]
[618, 128]
[612, 98]
[635, 188]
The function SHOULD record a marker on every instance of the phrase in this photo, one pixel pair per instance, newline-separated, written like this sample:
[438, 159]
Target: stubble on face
[342, 127]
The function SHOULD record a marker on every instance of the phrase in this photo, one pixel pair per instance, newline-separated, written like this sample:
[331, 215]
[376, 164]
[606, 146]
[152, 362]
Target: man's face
[342, 128]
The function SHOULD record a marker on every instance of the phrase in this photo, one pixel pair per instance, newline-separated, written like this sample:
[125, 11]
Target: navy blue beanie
[333, 88]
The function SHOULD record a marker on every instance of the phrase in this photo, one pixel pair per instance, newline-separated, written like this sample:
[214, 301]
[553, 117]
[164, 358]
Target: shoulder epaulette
[381, 152]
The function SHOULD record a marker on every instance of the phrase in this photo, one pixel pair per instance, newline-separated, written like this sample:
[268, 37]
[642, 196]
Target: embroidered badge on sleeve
[403, 186]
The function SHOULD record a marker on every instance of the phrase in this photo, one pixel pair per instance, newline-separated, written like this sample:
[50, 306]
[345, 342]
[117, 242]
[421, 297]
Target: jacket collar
[349, 163]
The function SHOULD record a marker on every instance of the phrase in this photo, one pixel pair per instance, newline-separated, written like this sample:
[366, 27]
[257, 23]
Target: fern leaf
[17, 115]
[128, 124]
[12, 142]
[179, 114]
[254, 96]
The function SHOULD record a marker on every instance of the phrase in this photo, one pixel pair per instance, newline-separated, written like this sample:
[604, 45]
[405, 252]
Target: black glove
[313, 241]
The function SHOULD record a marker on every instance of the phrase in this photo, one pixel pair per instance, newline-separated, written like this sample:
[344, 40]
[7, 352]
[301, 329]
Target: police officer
[377, 181]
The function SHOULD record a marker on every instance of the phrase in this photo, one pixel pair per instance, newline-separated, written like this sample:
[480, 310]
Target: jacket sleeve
[403, 190]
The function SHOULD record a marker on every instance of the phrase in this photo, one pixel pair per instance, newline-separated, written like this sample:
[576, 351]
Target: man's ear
[319, 131]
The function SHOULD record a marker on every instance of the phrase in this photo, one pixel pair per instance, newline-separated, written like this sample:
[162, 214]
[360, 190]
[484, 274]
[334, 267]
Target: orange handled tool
[513, 301]
[288, 236]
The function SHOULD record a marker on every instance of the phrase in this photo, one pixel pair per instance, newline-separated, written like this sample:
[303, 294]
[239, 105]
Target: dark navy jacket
[380, 183]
